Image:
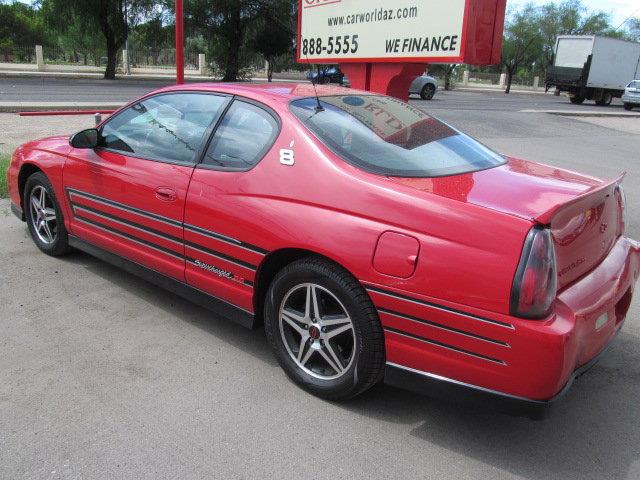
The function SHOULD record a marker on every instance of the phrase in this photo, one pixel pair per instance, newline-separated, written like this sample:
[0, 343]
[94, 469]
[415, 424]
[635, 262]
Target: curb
[14, 107]
[587, 113]
[130, 78]
[501, 90]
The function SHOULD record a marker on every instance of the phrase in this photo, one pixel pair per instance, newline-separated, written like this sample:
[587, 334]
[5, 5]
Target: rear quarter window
[386, 136]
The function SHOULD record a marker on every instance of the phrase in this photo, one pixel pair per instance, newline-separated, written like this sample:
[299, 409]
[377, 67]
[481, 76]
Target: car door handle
[166, 194]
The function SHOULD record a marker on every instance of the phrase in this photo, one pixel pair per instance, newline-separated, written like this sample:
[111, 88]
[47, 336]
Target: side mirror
[85, 139]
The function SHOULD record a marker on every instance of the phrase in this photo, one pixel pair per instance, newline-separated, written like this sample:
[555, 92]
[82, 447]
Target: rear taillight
[535, 284]
[622, 210]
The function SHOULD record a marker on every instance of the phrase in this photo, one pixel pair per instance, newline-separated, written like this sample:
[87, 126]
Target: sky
[619, 10]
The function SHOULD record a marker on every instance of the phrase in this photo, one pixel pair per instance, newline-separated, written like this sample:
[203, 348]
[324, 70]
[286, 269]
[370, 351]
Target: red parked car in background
[374, 241]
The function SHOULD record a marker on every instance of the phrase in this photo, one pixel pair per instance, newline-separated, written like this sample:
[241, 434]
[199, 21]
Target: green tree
[274, 38]
[632, 29]
[20, 26]
[229, 26]
[111, 17]
[522, 41]
[446, 70]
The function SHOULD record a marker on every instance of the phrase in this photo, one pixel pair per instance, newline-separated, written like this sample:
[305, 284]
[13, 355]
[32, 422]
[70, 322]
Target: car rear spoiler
[546, 217]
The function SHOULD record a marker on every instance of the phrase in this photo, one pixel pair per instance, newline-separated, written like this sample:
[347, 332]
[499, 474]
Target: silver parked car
[631, 95]
[425, 86]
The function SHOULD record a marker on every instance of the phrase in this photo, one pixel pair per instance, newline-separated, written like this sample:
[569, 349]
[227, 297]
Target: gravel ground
[15, 129]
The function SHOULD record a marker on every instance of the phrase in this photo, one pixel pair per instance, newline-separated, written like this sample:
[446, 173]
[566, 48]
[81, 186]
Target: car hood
[53, 143]
[524, 189]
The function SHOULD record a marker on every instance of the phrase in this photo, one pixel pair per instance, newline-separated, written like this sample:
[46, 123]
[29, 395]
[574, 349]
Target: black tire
[427, 92]
[576, 100]
[367, 363]
[605, 100]
[60, 244]
[628, 106]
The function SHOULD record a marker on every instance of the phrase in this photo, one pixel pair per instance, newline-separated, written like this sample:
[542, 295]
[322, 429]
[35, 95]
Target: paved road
[29, 89]
[104, 376]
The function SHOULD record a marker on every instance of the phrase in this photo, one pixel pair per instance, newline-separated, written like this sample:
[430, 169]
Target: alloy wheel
[317, 331]
[43, 215]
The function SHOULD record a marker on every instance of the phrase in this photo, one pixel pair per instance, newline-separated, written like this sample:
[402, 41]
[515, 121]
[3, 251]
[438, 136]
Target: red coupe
[373, 240]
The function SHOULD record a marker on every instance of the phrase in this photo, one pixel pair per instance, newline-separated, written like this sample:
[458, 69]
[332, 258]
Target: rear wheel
[605, 99]
[324, 330]
[427, 92]
[44, 217]
[628, 106]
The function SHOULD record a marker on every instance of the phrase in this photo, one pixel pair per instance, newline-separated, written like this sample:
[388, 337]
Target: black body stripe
[221, 256]
[170, 221]
[443, 327]
[122, 206]
[127, 236]
[224, 238]
[437, 306]
[129, 223]
[153, 231]
[444, 345]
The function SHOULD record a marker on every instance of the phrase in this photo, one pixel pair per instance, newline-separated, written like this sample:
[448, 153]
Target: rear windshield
[386, 136]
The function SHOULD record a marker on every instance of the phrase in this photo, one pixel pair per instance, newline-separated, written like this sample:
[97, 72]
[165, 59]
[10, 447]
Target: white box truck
[593, 68]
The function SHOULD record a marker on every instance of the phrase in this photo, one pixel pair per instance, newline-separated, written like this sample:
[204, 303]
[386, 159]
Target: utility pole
[179, 43]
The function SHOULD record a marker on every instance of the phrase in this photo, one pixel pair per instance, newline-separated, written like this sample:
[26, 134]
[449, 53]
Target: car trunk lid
[582, 211]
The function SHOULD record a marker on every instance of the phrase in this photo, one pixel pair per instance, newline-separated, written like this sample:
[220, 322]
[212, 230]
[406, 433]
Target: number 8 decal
[286, 155]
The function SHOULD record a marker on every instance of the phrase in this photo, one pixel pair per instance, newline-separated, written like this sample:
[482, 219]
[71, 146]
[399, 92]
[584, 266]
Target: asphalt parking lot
[103, 375]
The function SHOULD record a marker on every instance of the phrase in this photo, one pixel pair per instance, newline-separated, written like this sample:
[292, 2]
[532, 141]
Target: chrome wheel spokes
[43, 215]
[317, 331]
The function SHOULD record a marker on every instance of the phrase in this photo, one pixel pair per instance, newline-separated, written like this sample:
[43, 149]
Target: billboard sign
[347, 31]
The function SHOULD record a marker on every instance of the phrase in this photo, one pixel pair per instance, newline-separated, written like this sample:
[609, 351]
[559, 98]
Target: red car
[372, 240]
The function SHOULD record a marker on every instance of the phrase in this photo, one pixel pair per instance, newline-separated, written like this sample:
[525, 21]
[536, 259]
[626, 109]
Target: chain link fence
[140, 57]
[17, 54]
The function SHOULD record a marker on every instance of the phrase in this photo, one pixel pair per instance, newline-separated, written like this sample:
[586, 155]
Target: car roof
[280, 92]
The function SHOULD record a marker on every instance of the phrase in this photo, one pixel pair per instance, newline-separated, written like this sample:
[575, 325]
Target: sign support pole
[179, 43]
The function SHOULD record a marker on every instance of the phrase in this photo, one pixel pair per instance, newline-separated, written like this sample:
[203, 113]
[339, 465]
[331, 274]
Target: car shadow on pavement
[252, 342]
[592, 433]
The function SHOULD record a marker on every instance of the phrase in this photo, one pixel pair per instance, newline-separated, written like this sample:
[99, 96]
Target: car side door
[128, 195]
[222, 253]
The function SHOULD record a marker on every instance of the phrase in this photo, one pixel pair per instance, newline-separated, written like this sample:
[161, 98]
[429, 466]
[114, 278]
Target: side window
[243, 137]
[165, 127]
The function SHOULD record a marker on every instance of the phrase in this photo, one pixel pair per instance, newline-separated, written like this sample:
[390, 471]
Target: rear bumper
[528, 362]
[635, 100]
[448, 389]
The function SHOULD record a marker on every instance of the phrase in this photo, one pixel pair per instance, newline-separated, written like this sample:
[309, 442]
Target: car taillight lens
[622, 208]
[535, 284]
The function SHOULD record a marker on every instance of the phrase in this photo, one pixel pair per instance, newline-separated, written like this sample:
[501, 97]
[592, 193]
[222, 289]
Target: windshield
[386, 136]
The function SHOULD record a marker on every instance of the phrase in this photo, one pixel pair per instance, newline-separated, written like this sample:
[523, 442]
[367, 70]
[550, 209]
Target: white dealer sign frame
[337, 31]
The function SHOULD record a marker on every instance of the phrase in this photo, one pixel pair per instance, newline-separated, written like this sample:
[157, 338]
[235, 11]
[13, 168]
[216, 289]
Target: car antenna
[319, 107]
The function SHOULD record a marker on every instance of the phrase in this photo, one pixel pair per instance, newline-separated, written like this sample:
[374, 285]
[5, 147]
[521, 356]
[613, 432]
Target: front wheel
[628, 106]
[324, 330]
[44, 216]
[576, 100]
[427, 92]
